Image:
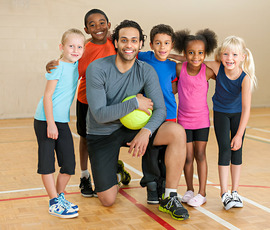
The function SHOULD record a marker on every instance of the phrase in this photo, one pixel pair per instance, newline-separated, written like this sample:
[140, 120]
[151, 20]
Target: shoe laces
[236, 197]
[174, 201]
[85, 183]
[227, 198]
[62, 201]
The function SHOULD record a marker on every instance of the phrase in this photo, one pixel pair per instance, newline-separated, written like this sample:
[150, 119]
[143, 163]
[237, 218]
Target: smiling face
[162, 46]
[128, 44]
[195, 52]
[231, 59]
[97, 27]
[72, 48]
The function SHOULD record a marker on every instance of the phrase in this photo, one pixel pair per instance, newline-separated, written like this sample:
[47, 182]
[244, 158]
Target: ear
[243, 57]
[86, 30]
[115, 44]
[61, 47]
[141, 42]
[151, 45]
[109, 25]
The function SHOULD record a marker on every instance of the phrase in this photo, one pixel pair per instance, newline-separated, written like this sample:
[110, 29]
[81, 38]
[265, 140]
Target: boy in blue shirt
[161, 42]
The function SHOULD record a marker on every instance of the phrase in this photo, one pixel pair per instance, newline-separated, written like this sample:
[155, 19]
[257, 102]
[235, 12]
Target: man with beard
[108, 81]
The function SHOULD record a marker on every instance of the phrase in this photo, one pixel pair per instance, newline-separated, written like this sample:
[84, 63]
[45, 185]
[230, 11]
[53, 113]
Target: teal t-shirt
[67, 75]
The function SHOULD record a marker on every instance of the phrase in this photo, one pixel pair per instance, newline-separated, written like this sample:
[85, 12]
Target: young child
[235, 70]
[193, 112]
[97, 25]
[161, 42]
[51, 125]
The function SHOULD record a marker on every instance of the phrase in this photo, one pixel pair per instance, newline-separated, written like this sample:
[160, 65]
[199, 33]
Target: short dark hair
[161, 29]
[126, 24]
[94, 11]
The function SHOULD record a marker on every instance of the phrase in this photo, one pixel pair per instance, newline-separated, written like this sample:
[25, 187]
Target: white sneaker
[237, 199]
[227, 201]
[197, 200]
[188, 195]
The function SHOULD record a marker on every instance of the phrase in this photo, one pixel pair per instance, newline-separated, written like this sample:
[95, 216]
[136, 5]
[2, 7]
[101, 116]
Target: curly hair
[94, 11]
[126, 24]
[183, 37]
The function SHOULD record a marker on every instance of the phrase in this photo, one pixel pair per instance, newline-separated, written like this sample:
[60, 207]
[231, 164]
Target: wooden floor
[24, 203]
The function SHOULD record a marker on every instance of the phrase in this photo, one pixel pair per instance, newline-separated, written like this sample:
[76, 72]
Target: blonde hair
[69, 32]
[237, 43]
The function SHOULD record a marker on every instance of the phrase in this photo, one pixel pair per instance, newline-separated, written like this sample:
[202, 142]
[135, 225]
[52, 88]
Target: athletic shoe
[152, 193]
[59, 208]
[125, 176]
[86, 187]
[187, 196]
[227, 201]
[237, 199]
[197, 200]
[174, 207]
[67, 203]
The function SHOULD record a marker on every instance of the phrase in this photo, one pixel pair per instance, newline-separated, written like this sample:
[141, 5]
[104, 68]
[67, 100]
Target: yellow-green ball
[137, 119]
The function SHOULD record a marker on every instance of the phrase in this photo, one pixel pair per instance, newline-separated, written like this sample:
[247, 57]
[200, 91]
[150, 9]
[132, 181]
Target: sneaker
[174, 207]
[86, 187]
[59, 208]
[152, 193]
[125, 176]
[227, 201]
[237, 199]
[197, 200]
[188, 195]
[67, 203]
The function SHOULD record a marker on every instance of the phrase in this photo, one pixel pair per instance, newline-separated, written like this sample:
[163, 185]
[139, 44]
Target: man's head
[128, 39]
[128, 24]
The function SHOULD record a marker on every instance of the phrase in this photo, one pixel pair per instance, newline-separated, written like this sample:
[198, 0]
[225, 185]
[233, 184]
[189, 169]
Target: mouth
[128, 51]
[229, 63]
[99, 33]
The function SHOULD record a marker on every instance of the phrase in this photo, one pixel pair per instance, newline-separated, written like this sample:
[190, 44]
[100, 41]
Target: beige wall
[31, 31]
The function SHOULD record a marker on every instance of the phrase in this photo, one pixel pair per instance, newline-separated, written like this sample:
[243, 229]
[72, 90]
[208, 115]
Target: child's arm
[52, 131]
[236, 142]
[177, 57]
[52, 65]
[214, 65]
[174, 87]
[210, 74]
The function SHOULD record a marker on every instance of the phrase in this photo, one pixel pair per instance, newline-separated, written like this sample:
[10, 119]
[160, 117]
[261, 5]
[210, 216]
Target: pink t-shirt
[193, 112]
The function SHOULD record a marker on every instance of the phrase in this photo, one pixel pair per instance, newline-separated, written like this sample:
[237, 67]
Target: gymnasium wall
[31, 31]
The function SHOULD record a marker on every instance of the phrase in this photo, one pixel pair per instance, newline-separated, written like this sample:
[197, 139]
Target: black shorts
[197, 134]
[104, 152]
[81, 111]
[63, 147]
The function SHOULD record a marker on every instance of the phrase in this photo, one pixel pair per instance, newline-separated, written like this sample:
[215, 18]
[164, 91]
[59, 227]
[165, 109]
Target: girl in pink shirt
[193, 112]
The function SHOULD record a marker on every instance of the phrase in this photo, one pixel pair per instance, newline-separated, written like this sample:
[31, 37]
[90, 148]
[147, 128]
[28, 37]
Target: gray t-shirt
[107, 87]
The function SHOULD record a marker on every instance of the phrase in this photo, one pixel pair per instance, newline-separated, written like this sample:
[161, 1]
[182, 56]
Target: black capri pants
[226, 126]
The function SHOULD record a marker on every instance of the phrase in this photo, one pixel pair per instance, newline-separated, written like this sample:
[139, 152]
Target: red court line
[146, 210]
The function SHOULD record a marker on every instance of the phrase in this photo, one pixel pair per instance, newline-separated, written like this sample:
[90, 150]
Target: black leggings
[226, 126]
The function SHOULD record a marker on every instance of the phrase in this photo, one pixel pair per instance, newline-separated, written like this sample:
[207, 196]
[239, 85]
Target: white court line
[257, 138]
[261, 130]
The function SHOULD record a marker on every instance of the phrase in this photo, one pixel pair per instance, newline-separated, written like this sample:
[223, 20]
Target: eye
[71, 46]
[201, 52]
[190, 52]
[134, 41]
[235, 55]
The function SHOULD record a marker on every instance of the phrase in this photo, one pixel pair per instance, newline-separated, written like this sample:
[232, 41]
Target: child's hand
[144, 103]
[236, 143]
[52, 65]
[52, 131]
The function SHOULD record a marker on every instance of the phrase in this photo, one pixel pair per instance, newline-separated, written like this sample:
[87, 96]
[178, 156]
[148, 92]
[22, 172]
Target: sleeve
[153, 90]
[96, 97]
[55, 73]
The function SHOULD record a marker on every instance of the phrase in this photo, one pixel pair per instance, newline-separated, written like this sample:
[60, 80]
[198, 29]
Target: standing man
[108, 81]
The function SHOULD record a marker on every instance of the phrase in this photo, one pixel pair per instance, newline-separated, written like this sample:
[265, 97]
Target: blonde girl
[51, 125]
[235, 80]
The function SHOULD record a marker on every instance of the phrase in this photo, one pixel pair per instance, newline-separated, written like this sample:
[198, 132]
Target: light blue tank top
[228, 93]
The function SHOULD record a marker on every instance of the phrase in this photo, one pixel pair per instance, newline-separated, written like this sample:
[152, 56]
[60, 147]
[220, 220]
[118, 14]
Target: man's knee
[108, 197]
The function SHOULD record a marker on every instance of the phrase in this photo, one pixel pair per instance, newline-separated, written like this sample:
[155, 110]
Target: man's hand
[144, 103]
[139, 143]
[52, 65]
